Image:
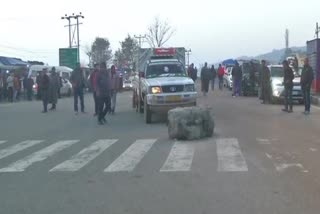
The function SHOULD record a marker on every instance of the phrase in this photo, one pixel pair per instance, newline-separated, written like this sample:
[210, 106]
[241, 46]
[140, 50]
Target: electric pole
[140, 40]
[188, 55]
[73, 16]
[317, 31]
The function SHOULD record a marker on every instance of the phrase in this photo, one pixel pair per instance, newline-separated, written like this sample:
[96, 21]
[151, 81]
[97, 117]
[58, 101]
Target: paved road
[260, 161]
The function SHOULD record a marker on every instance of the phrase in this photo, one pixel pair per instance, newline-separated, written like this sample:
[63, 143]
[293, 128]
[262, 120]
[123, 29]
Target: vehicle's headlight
[156, 90]
[189, 87]
[276, 93]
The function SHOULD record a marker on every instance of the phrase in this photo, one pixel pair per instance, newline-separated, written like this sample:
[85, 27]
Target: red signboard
[164, 51]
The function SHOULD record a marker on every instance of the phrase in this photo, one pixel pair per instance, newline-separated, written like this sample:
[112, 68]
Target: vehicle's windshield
[164, 70]
[276, 72]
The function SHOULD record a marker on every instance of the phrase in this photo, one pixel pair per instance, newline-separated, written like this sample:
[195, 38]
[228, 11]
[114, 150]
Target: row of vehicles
[251, 78]
[162, 82]
[64, 73]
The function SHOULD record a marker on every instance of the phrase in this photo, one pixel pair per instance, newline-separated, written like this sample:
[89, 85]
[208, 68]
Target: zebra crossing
[180, 157]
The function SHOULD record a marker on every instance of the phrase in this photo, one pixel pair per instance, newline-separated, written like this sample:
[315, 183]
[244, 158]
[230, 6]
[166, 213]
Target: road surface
[260, 161]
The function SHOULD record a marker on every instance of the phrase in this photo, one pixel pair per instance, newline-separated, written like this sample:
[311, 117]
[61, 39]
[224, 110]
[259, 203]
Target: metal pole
[78, 39]
[70, 42]
[317, 30]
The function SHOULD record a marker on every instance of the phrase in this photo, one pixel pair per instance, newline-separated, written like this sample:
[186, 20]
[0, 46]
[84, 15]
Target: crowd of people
[210, 74]
[14, 87]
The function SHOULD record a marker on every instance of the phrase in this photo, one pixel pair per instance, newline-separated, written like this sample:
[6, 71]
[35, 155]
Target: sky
[213, 30]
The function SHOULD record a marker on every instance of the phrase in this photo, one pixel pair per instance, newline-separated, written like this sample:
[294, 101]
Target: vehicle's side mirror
[141, 74]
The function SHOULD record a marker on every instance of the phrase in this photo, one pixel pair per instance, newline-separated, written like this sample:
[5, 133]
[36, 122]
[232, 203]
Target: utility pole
[78, 34]
[317, 31]
[140, 40]
[188, 54]
[69, 25]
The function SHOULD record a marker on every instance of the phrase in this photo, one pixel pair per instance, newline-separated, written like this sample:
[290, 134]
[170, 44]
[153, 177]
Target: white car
[277, 87]
[65, 90]
[127, 84]
[227, 78]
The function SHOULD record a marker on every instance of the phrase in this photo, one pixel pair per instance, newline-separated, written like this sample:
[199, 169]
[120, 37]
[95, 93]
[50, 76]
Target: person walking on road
[53, 89]
[220, 76]
[214, 75]
[78, 85]
[10, 86]
[237, 77]
[265, 83]
[206, 76]
[307, 77]
[16, 88]
[115, 86]
[38, 78]
[288, 86]
[29, 88]
[93, 84]
[103, 93]
[44, 86]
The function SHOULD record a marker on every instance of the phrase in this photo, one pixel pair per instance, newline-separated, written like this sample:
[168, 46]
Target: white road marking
[132, 156]
[283, 166]
[2, 141]
[38, 156]
[230, 157]
[269, 156]
[313, 149]
[180, 158]
[84, 156]
[263, 141]
[18, 147]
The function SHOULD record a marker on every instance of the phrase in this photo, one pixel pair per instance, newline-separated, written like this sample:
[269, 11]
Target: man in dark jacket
[288, 86]
[103, 93]
[44, 88]
[93, 77]
[236, 78]
[78, 85]
[214, 75]
[306, 81]
[265, 83]
[53, 88]
[205, 79]
[30, 84]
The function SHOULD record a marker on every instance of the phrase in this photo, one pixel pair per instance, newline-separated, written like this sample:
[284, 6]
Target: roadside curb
[315, 100]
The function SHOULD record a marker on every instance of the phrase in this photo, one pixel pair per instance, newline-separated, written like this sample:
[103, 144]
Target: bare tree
[159, 33]
[88, 52]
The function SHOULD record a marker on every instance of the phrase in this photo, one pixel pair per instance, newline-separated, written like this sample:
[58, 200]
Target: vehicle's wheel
[147, 112]
[69, 92]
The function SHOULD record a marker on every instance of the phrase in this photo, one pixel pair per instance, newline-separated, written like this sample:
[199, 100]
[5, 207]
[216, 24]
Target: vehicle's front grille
[296, 84]
[172, 88]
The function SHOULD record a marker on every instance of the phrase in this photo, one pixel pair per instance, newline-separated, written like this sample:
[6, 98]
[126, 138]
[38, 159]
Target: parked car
[227, 78]
[277, 87]
[66, 89]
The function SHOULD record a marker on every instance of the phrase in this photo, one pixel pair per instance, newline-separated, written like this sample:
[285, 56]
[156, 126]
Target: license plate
[175, 98]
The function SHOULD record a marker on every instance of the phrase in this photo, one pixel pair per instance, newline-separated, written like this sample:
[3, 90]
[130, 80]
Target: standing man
[265, 83]
[192, 74]
[93, 84]
[306, 81]
[38, 78]
[115, 86]
[53, 89]
[214, 75]
[103, 93]
[29, 88]
[44, 86]
[78, 84]
[16, 87]
[10, 86]
[288, 86]
[220, 76]
[205, 79]
[237, 77]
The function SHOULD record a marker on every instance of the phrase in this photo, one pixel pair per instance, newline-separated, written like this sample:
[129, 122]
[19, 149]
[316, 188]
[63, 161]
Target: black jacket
[306, 76]
[288, 77]
[237, 72]
[103, 84]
